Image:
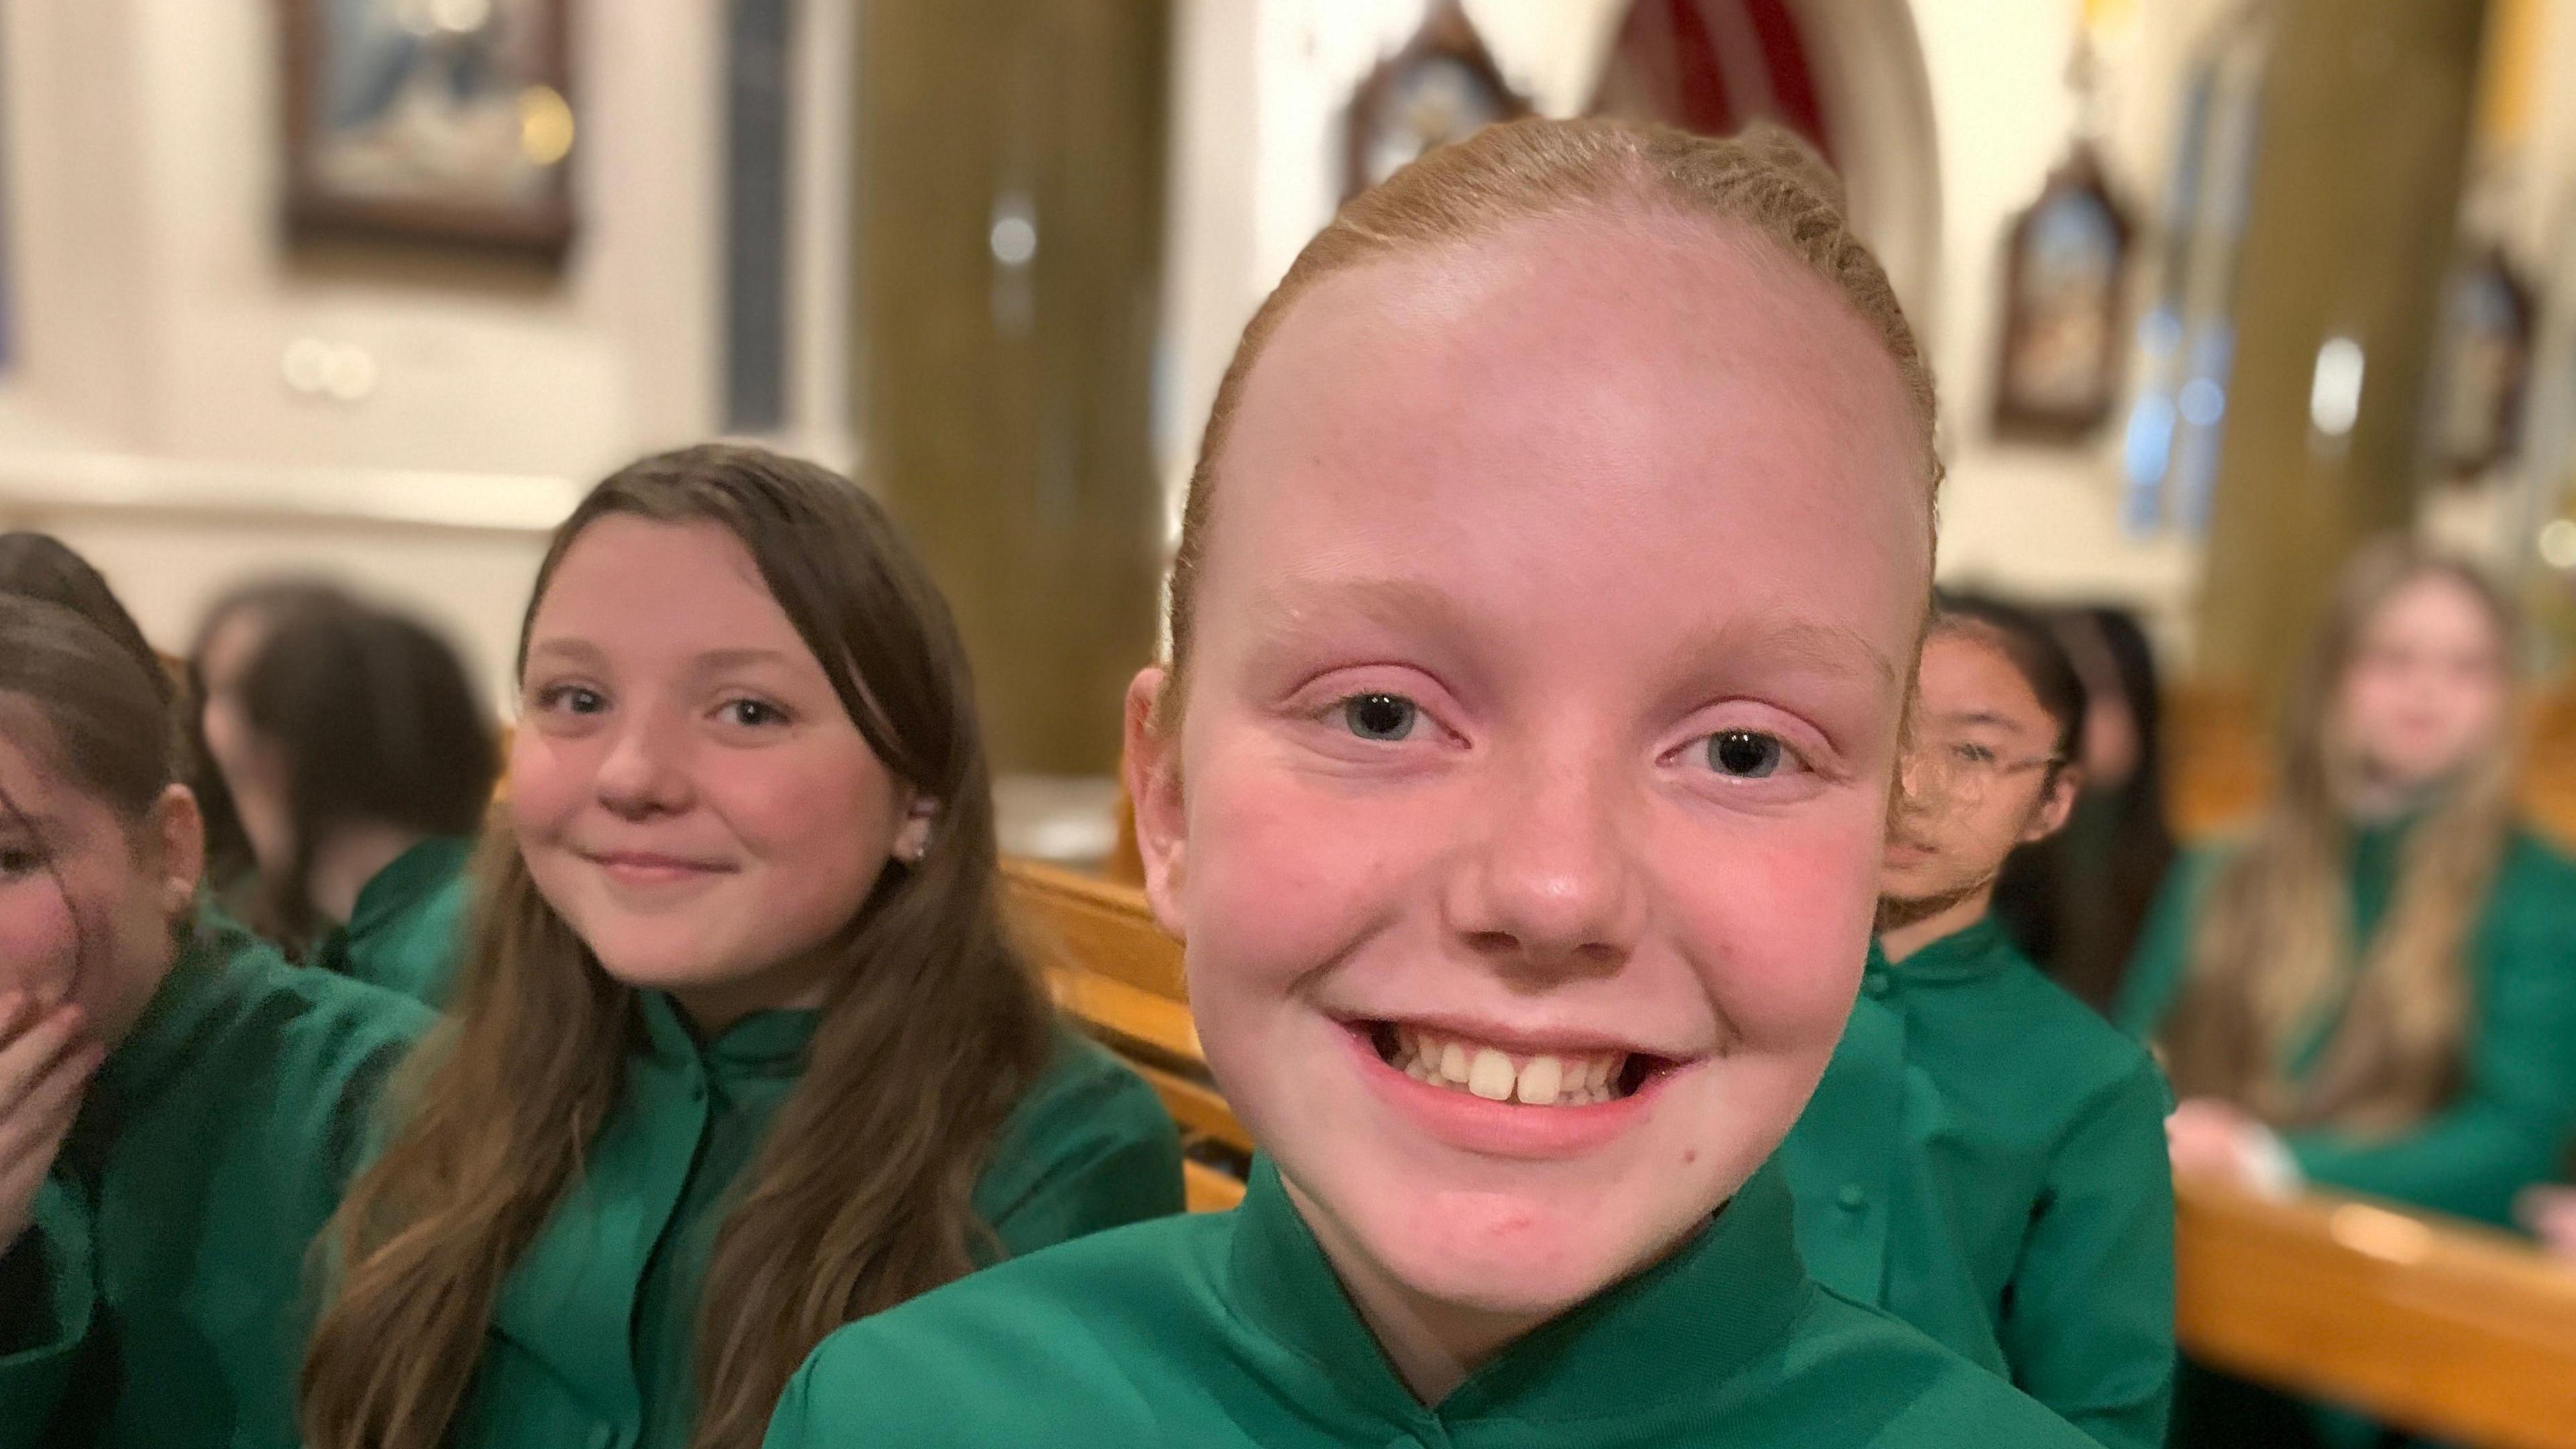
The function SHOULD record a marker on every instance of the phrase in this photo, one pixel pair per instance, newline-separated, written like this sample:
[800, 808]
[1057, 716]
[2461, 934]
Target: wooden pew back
[1114, 971]
[2444, 1328]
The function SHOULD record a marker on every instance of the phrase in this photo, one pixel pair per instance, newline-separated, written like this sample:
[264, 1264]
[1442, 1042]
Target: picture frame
[438, 122]
[2059, 360]
[1441, 87]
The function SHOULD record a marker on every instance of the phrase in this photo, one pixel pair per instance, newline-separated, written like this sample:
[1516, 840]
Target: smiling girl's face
[1524, 811]
[687, 790]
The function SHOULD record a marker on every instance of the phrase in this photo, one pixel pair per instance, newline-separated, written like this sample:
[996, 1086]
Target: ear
[912, 838]
[2049, 816]
[178, 833]
[1154, 789]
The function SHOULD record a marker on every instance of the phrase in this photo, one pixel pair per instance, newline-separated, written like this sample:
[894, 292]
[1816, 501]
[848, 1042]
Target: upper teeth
[1545, 1080]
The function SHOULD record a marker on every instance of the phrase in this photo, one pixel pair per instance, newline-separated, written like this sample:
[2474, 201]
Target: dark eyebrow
[718, 660]
[1978, 717]
[571, 651]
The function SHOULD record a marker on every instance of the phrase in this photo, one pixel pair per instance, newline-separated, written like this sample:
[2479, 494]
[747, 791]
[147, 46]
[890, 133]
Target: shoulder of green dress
[315, 1023]
[1927, 1396]
[1072, 1330]
[1085, 1083]
[2539, 868]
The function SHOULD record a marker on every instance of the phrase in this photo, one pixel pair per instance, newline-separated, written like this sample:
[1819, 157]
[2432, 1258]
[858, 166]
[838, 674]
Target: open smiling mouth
[1534, 1079]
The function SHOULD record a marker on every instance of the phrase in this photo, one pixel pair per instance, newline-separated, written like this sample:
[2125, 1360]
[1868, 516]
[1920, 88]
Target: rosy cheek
[1278, 869]
[1783, 976]
[548, 781]
[37, 940]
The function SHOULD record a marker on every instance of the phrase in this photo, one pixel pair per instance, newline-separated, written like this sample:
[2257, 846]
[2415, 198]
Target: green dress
[1985, 1159]
[407, 931]
[1229, 1330]
[172, 1237]
[593, 1333]
[2514, 1116]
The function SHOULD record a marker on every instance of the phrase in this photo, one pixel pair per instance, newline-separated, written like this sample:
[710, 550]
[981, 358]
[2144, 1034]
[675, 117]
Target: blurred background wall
[991, 255]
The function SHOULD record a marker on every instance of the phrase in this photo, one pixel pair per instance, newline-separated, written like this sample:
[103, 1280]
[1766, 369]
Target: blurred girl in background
[2075, 902]
[360, 763]
[2374, 991]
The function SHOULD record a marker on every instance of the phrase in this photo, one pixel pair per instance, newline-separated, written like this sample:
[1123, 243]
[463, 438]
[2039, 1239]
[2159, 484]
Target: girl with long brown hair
[179, 1106]
[1547, 591]
[741, 1051]
[2376, 991]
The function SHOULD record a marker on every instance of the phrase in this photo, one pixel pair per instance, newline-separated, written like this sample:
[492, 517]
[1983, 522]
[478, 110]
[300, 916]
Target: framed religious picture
[2065, 267]
[1440, 87]
[439, 121]
[2483, 363]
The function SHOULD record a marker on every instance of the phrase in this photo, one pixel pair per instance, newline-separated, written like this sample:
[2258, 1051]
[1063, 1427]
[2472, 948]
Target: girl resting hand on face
[740, 1052]
[1985, 1156]
[1517, 782]
[152, 1246]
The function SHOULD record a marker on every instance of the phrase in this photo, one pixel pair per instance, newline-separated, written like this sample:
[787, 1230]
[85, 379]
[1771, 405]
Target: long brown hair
[2278, 922]
[861, 1196]
[1766, 181]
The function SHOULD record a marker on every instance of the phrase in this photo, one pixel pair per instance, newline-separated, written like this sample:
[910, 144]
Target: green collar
[162, 1041]
[764, 1046]
[1971, 953]
[1675, 1329]
[413, 876]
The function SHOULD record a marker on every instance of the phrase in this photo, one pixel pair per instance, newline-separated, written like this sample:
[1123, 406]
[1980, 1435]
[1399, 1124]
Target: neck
[1432, 1346]
[1906, 927]
[713, 1007]
[352, 856]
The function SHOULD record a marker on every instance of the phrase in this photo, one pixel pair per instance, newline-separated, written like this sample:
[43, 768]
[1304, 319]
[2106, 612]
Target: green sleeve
[2088, 1327]
[48, 1303]
[2162, 957]
[2512, 1120]
[1092, 1149]
[790, 1424]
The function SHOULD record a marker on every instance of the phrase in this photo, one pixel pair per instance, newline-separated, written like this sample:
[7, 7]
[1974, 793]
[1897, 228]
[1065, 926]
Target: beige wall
[145, 414]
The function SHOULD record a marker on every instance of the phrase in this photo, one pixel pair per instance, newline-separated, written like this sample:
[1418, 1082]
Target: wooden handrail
[2443, 1327]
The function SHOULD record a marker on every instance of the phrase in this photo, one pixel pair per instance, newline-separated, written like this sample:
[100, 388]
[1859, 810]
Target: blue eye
[1745, 754]
[1384, 717]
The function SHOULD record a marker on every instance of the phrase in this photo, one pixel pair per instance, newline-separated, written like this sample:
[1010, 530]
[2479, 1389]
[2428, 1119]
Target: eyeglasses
[1959, 769]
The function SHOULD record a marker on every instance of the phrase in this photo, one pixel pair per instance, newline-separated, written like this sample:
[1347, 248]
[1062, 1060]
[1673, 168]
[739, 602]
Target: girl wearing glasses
[1985, 1157]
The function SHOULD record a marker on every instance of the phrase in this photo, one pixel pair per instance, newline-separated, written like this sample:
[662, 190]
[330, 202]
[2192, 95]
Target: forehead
[1965, 672]
[31, 773]
[678, 587]
[1618, 402]
[2433, 606]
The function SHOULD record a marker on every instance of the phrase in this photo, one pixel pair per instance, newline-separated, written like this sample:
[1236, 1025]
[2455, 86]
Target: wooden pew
[1114, 971]
[2446, 1328]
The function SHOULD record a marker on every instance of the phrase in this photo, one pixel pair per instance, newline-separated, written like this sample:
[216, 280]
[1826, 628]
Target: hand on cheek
[46, 1059]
